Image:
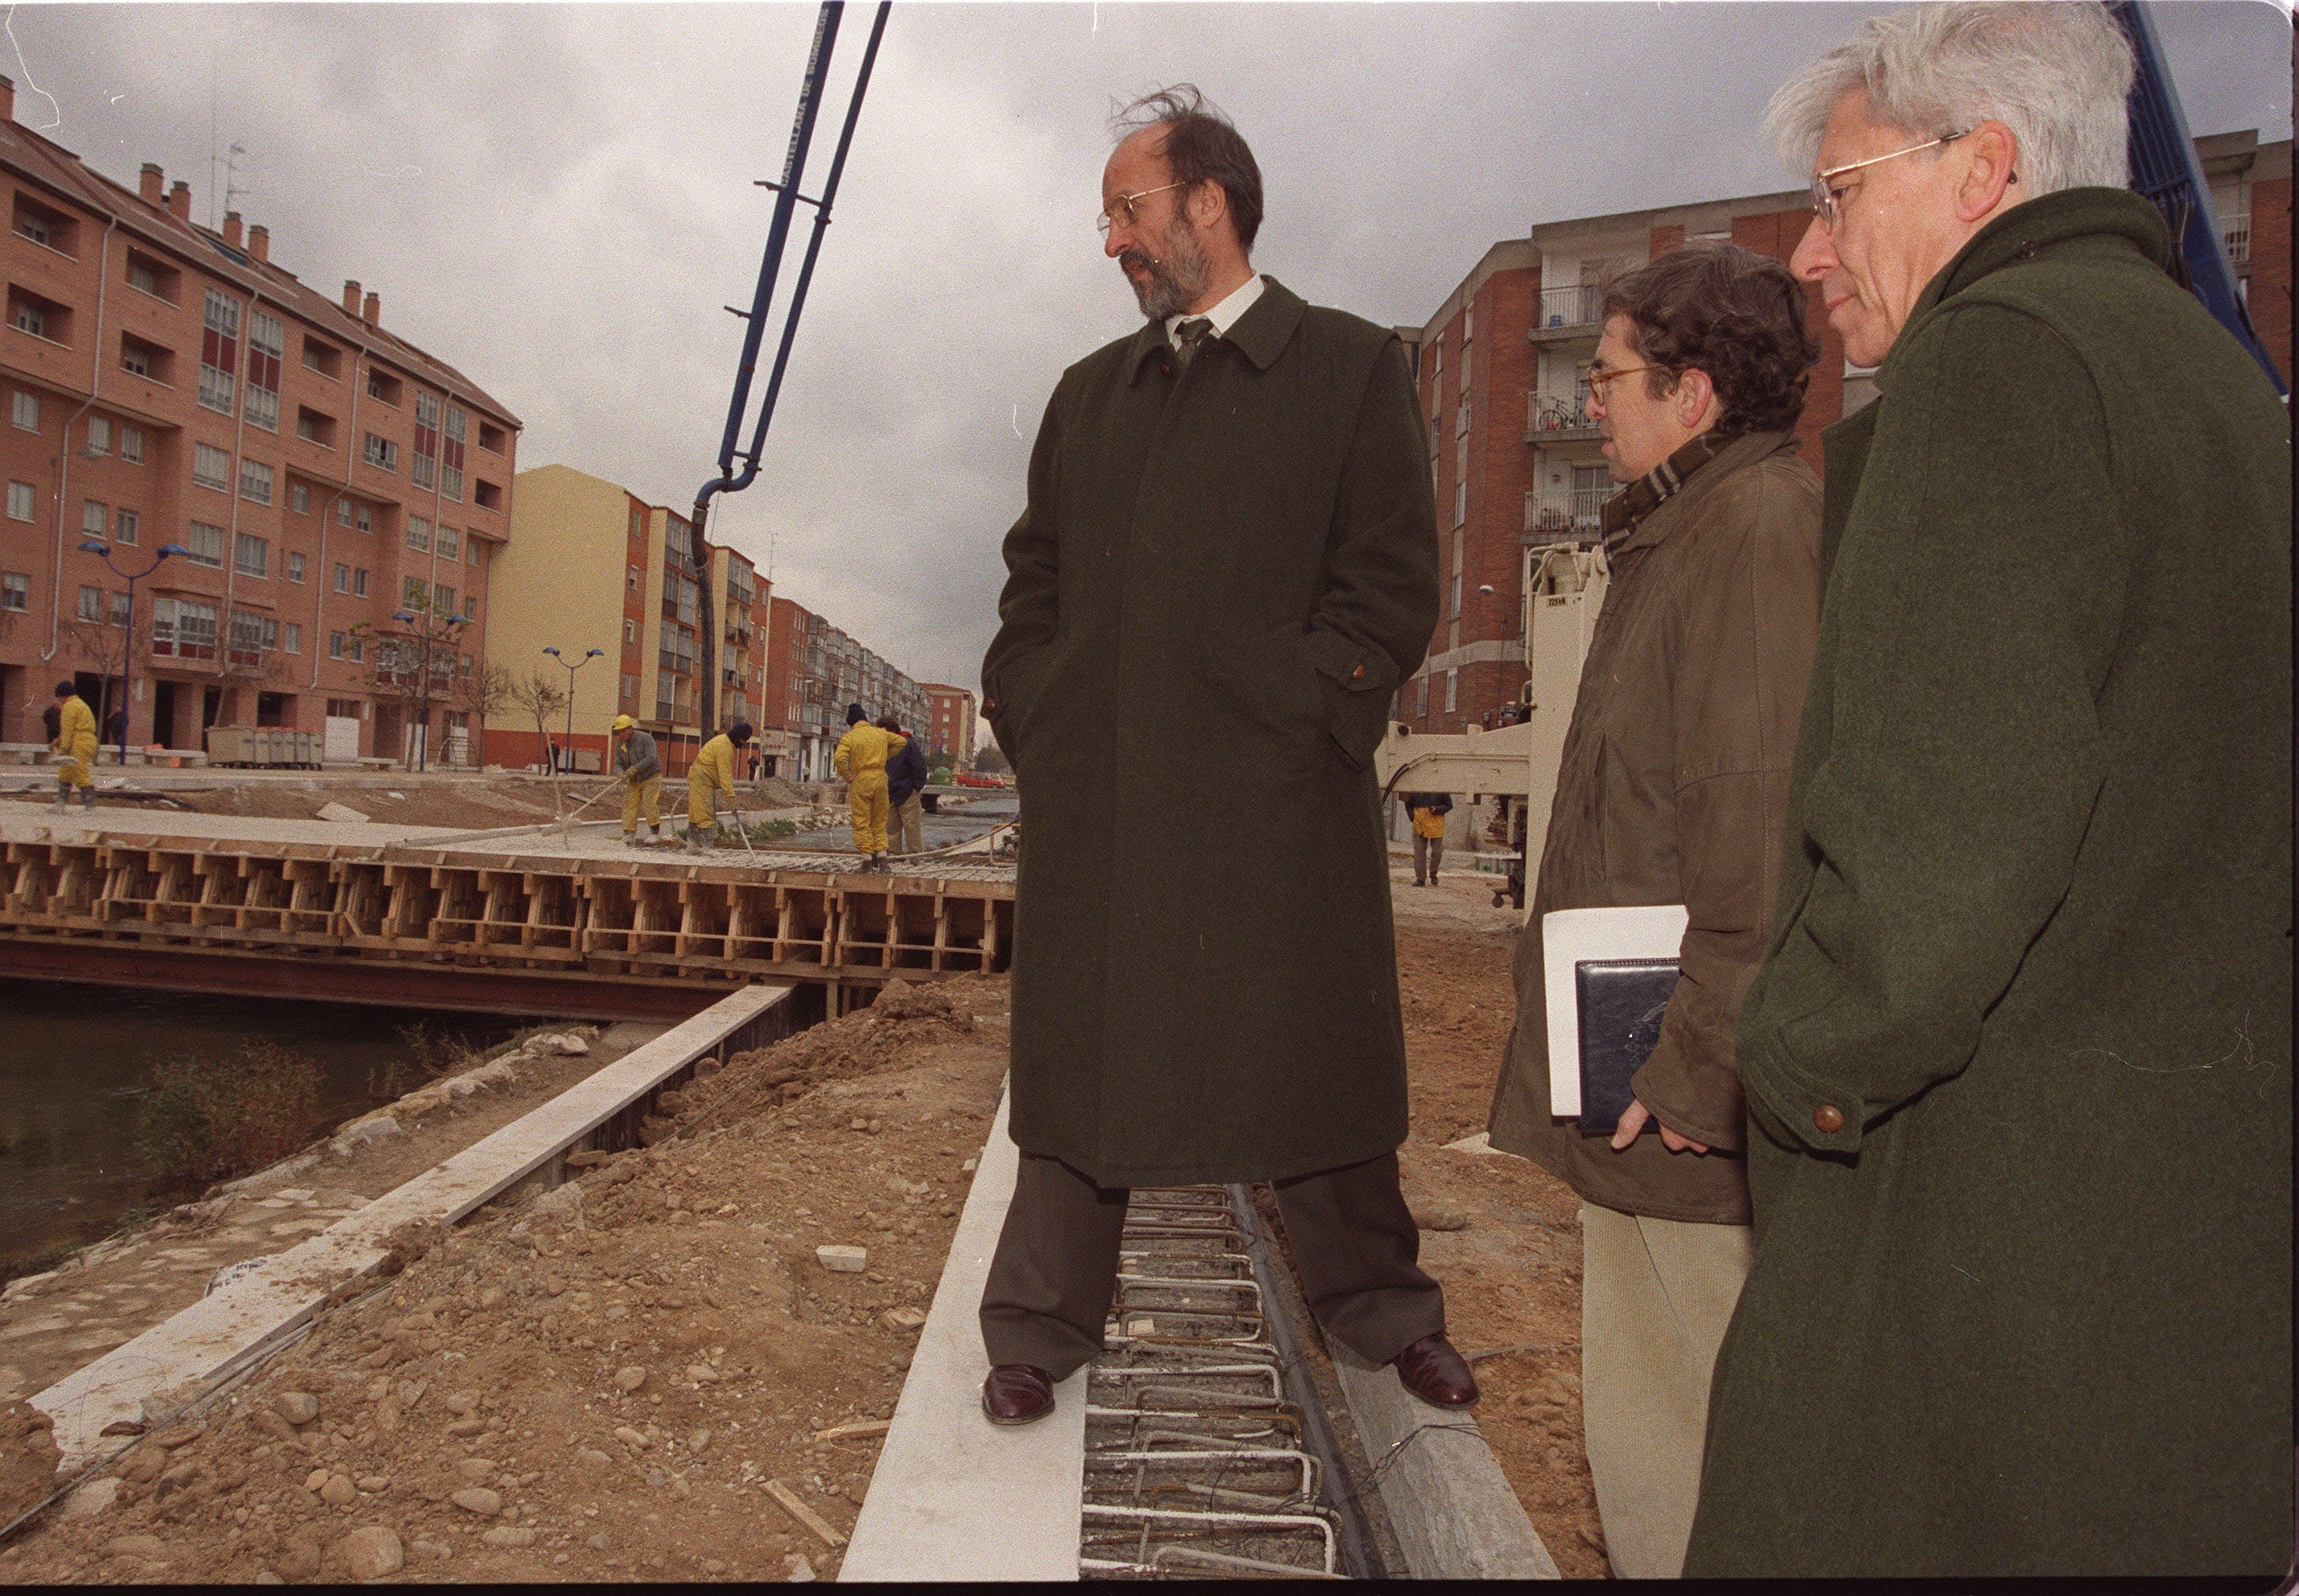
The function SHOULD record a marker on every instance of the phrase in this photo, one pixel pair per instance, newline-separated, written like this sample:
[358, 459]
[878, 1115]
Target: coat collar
[1632, 517]
[1260, 335]
[2085, 218]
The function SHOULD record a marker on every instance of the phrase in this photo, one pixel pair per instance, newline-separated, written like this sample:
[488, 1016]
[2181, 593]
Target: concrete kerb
[955, 1497]
[270, 1303]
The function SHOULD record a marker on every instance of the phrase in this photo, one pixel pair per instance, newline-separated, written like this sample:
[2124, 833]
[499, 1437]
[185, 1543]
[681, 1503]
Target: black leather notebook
[1620, 1002]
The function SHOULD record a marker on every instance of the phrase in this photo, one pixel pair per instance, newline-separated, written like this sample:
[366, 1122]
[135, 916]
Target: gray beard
[1173, 285]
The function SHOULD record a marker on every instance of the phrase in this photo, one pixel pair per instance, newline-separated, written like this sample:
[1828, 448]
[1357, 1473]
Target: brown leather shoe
[1432, 1370]
[1015, 1394]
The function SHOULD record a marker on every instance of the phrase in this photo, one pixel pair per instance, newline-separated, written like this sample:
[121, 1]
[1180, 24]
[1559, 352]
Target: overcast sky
[559, 199]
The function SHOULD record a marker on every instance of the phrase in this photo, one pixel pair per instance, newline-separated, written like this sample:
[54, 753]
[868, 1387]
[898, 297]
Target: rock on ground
[28, 1457]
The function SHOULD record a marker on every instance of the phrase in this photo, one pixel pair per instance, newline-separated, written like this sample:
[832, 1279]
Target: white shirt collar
[1225, 315]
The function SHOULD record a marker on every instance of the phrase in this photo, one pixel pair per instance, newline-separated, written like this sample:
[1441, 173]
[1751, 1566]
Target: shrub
[207, 1119]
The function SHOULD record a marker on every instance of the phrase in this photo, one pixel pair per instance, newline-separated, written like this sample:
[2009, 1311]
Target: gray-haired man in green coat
[2018, 1065]
[1227, 563]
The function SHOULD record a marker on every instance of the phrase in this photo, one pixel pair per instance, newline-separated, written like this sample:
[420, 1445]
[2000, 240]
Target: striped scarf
[1625, 509]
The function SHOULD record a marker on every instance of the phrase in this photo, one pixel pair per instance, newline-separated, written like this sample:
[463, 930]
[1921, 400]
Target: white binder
[1567, 937]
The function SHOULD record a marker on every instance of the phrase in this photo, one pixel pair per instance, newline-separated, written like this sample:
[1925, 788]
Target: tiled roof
[31, 156]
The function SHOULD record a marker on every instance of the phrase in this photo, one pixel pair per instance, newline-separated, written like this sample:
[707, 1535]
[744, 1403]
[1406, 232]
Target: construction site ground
[632, 1380]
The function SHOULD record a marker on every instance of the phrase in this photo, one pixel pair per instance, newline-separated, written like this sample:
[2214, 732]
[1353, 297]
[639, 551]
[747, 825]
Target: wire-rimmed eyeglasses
[1119, 211]
[1828, 202]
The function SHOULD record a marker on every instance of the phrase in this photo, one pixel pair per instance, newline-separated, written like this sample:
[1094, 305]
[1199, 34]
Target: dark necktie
[1190, 334]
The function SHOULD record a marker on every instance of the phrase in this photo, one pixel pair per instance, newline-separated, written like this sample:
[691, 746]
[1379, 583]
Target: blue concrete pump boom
[2165, 170]
[788, 199]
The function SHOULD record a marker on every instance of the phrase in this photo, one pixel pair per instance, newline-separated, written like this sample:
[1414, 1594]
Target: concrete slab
[272, 1301]
[955, 1497]
[1452, 1508]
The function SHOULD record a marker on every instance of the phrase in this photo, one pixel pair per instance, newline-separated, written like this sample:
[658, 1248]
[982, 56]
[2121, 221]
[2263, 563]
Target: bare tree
[543, 700]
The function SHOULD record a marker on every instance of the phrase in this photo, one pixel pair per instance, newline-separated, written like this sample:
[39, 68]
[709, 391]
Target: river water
[74, 1060]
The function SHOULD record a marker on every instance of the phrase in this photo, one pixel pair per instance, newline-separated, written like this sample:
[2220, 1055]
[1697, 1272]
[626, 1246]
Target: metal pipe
[63, 460]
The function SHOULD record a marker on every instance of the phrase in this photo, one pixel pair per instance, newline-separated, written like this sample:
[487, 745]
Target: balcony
[1578, 513]
[1551, 419]
[1569, 312]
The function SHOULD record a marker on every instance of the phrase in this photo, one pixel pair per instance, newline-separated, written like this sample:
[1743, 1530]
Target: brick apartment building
[170, 384]
[1515, 463]
[950, 722]
[592, 565]
[814, 670]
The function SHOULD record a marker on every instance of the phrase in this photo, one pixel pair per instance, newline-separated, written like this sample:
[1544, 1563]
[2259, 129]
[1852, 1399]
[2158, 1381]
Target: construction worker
[861, 758]
[75, 748]
[712, 774]
[641, 767]
[1429, 811]
[906, 783]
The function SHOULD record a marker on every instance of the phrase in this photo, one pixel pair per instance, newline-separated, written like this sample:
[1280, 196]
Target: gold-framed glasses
[1119, 211]
[1600, 377]
[1828, 202]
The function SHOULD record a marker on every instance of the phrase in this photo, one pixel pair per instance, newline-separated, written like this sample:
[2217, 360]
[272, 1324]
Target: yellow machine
[1564, 589]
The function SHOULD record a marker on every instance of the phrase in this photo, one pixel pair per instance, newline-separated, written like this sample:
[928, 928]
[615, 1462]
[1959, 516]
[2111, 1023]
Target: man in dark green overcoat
[1227, 566]
[2018, 1065]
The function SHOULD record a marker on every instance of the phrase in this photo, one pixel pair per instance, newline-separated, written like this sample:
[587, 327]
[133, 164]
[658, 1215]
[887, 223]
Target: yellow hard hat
[624, 723]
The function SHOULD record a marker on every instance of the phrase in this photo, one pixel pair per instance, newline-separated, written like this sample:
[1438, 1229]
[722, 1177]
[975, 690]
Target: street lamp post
[423, 693]
[89, 546]
[588, 656]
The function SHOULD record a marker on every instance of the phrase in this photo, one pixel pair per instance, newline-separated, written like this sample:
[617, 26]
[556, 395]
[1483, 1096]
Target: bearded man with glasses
[1227, 563]
[2018, 1063]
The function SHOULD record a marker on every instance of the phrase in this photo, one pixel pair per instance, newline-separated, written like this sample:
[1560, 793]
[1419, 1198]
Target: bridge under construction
[536, 921]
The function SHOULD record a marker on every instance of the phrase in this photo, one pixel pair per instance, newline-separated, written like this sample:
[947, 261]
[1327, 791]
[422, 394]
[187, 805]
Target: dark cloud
[558, 200]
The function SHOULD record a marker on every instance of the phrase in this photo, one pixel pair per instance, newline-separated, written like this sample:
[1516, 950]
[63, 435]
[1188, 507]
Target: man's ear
[1694, 392]
[1989, 154]
[1209, 203]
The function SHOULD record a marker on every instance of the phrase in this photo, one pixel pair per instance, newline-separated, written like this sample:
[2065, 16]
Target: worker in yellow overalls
[861, 758]
[75, 748]
[712, 774]
[636, 758]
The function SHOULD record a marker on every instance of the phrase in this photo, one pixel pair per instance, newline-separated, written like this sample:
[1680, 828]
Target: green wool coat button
[1828, 1118]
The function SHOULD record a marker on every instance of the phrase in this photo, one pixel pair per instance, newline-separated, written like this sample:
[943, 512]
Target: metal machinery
[1564, 589]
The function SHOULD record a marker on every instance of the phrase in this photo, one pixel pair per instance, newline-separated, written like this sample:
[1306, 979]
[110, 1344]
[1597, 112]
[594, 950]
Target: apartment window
[91, 604]
[148, 276]
[141, 358]
[412, 590]
[445, 544]
[344, 708]
[382, 453]
[1460, 499]
[631, 579]
[205, 544]
[450, 456]
[131, 444]
[291, 639]
[299, 498]
[255, 481]
[334, 649]
[41, 318]
[351, 513]
[211, 466]
[19, 501]
[266, 341]
[250, 636]
[294, 567]
[314, 428]
[630, 634]
[419, 534]
[92, 517]
[471, 552]
[24, 409]
[219, 350]
[359, 584]
[357, 651]
[15, 590]
[492, 438]
[343, 512]
[423, 463]
[325, 359]
[99, 436]
[630, 698]
[343, 579]
[120, 611]
[666, 694]
[124, 527]
[1452, 691]
[487, 495]
[383, 387]
[443, 599]
[183, 628]
[252, 555]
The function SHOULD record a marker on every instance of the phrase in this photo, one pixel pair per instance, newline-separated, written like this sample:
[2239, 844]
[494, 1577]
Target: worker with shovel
[641, 768]
[712, 774]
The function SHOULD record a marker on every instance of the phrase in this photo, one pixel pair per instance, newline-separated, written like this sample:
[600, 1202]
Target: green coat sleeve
[1971, 612]
[1373, 624]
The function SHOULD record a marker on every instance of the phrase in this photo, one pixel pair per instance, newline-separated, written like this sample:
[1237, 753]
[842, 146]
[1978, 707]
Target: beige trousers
[1656, 1297]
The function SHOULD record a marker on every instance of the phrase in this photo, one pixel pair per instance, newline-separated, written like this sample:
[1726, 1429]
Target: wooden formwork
[705, 924]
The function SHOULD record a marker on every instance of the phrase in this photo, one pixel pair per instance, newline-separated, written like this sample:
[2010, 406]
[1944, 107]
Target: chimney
[259, 244]
[231, 228]
[373, 313]
[180, 201]
[351, 296]
[7, 99]
[152, 185]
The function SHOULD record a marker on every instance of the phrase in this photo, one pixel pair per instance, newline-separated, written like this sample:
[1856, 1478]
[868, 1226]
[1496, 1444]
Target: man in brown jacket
[1672, 789]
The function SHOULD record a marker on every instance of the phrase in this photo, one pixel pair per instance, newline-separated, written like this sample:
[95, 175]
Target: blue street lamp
[423, 693]
[89, 546]
[593, 654]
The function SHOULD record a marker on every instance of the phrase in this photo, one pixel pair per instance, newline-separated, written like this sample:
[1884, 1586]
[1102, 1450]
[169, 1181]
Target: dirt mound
[28, 1457]
[774, 792]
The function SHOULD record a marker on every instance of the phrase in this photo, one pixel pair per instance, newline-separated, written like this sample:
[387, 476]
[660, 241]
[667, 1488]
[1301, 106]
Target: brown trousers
[1354, 1240]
